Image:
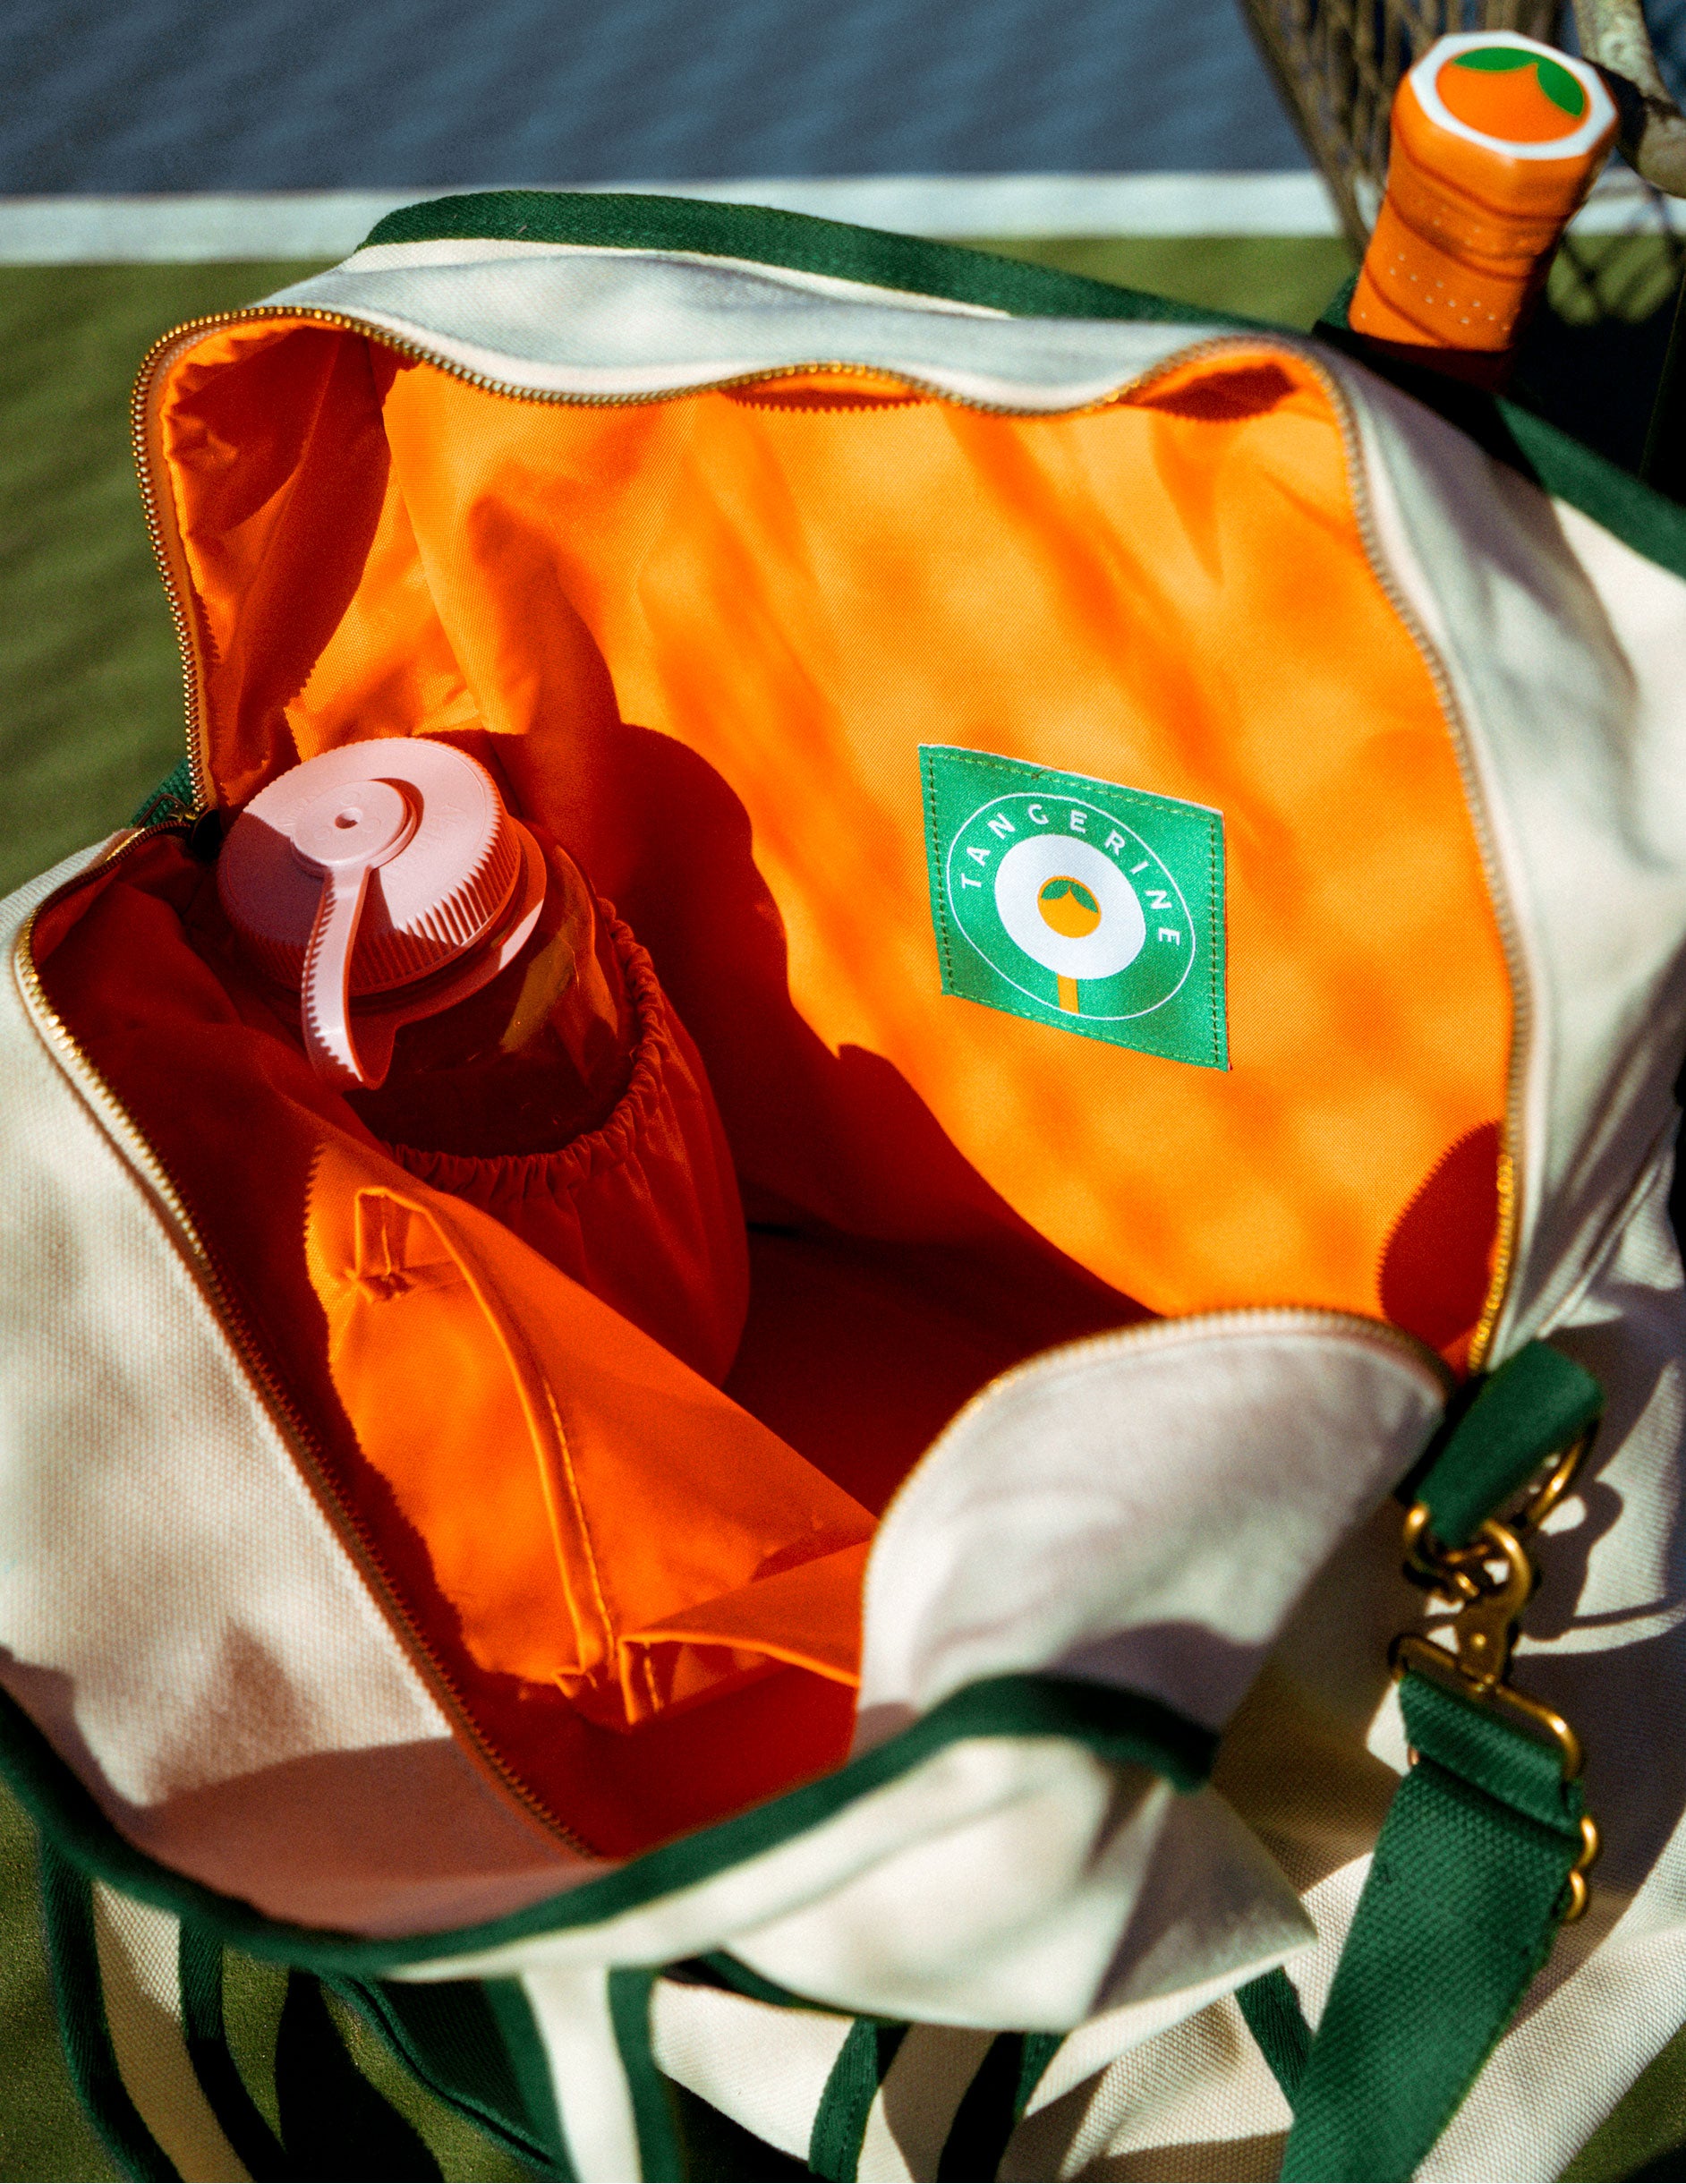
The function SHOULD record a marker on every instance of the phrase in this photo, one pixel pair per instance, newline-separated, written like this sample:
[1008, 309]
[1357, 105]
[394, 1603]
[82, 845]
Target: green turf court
[90, 709]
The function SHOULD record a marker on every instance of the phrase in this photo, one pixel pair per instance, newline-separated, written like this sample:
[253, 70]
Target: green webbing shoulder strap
[1483, 1850]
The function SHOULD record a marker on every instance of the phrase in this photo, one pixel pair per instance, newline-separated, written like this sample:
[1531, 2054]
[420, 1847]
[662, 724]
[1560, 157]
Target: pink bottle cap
[387, 873]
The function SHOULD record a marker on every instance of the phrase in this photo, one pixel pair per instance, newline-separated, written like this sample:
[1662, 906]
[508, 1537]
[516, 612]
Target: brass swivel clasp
[1486, 1583]
[1489, 1583]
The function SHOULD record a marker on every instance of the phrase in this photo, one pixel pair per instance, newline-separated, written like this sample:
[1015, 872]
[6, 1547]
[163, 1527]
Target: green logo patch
[1079, 904]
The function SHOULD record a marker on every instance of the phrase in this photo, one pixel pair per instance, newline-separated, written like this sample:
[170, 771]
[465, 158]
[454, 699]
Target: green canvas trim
[1560, 464]
[1272, 2009]
[204, 2027]
[1458, 1912]
[449, 2037]
[759, 235]
[725, 1970]
[1494, 1439]
[659, 2141]
[839, 2122]
[67, 1907]
[1637, 513]
[506, 1999]
[989, 2110]
[1037, 2052]
[1121, 1728]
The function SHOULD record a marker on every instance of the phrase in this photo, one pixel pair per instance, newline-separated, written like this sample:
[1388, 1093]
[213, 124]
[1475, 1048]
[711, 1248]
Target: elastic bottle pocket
[641, 1210]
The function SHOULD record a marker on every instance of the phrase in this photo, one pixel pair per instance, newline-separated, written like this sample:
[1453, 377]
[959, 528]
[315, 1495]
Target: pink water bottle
[447, 969]
[452, 979]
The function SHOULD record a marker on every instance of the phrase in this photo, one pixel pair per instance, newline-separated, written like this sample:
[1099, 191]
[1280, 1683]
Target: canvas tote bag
[1172, 858]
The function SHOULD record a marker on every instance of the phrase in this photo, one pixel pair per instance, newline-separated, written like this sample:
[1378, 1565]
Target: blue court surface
[189, 95]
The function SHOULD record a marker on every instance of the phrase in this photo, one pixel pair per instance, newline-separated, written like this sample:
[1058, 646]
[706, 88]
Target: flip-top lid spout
[358, 875]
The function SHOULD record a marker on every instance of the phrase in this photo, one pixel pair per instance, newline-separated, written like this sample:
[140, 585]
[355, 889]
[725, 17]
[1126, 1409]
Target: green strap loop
[1457, 1915]
[659, 2150]
[1535, 1404]
[1275, 2020]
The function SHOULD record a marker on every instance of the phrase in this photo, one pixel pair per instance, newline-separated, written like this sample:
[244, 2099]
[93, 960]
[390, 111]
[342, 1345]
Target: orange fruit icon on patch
[1067, 907]
[1496, 138]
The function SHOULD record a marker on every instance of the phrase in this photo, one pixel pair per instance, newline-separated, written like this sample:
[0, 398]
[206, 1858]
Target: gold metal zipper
[1193, 1327]
[303, 1443]
[141, 447]
[160, 523]
[1510, 942]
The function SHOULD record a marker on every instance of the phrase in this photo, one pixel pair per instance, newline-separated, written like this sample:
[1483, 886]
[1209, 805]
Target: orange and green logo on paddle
[1076, 903]
[1507, 92]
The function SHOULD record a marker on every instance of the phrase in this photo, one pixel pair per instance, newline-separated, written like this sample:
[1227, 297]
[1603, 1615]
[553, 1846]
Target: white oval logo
[1069, 907]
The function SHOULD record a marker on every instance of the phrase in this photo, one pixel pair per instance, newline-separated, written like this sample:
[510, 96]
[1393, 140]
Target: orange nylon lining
[716, 628]
[599, 1517]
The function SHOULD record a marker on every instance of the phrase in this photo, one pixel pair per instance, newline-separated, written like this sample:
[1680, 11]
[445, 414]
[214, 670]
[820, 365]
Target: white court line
[331, 222]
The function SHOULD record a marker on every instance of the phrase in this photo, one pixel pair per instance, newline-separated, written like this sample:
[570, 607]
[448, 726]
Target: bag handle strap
[1485, 1846]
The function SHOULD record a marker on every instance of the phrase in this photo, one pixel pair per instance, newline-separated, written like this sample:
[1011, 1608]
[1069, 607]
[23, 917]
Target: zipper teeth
[289, 1420]
[1216, 345]
[139, 443]
[1154, 1334]
[194, 329]
[1192, 1327]
[191, 330]
[1498, 895]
